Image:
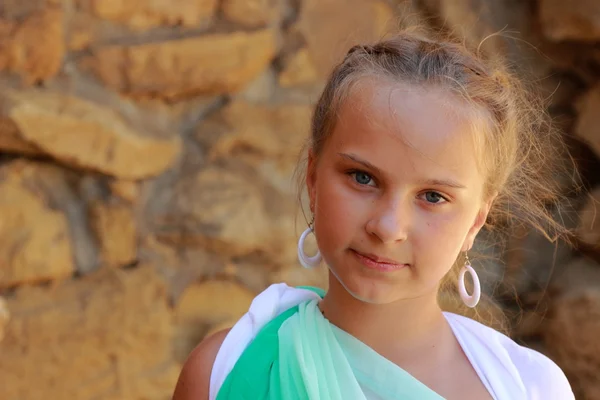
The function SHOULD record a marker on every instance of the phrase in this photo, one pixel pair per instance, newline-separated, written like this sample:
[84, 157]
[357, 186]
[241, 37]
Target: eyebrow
[432, 182]
[356, 159]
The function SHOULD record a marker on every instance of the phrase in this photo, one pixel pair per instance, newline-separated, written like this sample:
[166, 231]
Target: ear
[478, 224]
[311, 177]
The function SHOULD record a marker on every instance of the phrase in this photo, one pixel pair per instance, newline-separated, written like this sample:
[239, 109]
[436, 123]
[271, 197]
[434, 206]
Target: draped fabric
[300, 355]
[284, 349]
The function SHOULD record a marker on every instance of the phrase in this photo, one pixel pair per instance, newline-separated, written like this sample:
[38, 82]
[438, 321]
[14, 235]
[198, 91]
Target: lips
[374, 261]
[378, 259]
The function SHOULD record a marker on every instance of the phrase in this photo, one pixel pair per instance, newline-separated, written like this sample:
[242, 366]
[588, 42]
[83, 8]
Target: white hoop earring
[307, 261]
[469, 300]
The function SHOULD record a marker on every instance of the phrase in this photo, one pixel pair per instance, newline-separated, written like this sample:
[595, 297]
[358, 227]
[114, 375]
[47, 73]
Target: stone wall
[147, 150]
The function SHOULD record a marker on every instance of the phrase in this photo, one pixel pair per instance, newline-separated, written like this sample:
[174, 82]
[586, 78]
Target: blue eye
[362, 178]
[434, 197]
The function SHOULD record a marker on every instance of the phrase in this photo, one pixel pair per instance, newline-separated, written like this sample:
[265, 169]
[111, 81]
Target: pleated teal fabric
[299, 355]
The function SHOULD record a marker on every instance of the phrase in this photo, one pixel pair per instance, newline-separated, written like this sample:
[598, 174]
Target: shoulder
[209, 364]
[541, 377]
[194, 379]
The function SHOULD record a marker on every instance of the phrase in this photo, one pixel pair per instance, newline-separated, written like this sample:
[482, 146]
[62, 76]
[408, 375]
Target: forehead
[410, 125]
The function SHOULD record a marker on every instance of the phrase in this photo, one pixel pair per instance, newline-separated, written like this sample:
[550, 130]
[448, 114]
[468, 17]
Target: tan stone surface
[144, 14]
[578, 275]
[116, 231]
[241, 199]
[86, 135]
[34, 237]
[570, 20]
[275, 132]
[126, 190]
[269, 138]
[209, 64]
[332, 27]
[490, 27]
[571, 336]
[588, 121]
[33, 47]
[252, 13]
[471, 19]
[223, 209]
[296, 275]
[299, 70]
[4, 317]
[248, 201]
[213, 302]
[253, 272]
[12, 142]
[221, 326]
[14, 9]
[107, 336]
[84, 29]
[207, 307]
[589, 221]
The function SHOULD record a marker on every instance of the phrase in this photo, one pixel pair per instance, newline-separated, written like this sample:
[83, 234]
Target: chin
[373, 290]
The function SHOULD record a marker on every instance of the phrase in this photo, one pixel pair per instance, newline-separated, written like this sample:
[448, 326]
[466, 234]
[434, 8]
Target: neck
[400, 331]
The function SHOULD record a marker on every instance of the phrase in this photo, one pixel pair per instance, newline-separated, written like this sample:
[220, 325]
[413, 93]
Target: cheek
[338, 212]
[442, 235]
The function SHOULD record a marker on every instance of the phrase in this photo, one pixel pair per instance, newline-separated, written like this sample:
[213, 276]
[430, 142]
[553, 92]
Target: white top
[508, 371]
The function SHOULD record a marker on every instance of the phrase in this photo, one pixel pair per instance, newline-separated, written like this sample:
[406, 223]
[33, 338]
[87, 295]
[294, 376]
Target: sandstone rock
[269, 132]
[34, 47]
[251, 13]
[530, 324]
[588, 122]
[207, 307]
[531, 261]
[108, 335]
[480, 24]
[262, 89]
[239, 199]
[21, 9]
[4, 317]
[253, 272]
[589, 221]
[210, 64]
[332, 27]
[34, 237]
[573, 20]
[296, 275]
[223, 209]
[571, 337]
[84, 29]
[180, 266]
[143, 14]
[12, 142]
[221, 326]
[472, 19]
[86, 135]
[126, 190]
[212, 302]
[268, 139]
[577, 276]
[299, 70]
[116, 232]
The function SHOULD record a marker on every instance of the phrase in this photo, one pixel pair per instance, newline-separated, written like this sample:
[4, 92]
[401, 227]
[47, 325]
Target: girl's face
[396, 191]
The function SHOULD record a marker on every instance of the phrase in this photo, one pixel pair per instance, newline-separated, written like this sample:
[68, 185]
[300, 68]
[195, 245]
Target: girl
[415, 144]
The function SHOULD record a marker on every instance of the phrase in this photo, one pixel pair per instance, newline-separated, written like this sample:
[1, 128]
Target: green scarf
[300, 355]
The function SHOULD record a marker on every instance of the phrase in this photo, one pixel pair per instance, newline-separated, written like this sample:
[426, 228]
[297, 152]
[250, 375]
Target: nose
[390, 222]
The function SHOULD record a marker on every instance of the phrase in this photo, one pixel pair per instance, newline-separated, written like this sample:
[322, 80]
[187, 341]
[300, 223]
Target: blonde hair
[524, 154]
